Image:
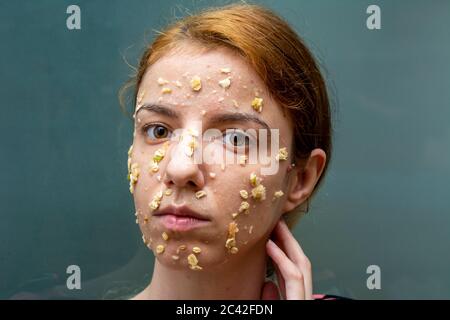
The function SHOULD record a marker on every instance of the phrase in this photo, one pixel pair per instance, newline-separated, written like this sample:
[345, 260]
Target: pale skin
[224, 275]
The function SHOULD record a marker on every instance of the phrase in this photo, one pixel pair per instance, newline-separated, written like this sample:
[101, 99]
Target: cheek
[264, 210]
[248, 206]
[244, 210]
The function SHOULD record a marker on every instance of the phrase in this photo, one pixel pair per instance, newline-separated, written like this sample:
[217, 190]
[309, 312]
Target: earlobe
[303, 181]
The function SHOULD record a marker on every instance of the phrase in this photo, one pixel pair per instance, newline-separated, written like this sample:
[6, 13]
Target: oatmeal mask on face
[199, 97]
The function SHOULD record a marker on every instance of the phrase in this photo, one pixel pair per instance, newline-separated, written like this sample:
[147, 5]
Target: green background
[64, 197]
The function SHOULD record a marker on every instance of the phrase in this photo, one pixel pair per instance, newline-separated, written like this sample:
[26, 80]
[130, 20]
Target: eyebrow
[214, 119]
[160, 109]
[238, 117]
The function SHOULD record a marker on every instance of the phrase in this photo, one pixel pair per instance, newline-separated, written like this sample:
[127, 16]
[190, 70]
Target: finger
[288, 242]
[295, 253]
[280, 281]
[270, 291]
[293, 278]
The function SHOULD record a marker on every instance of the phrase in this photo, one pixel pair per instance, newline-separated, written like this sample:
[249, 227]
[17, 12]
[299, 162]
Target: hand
[292, 267]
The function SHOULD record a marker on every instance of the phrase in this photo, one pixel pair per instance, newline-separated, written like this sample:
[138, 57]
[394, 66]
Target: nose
[182, 171]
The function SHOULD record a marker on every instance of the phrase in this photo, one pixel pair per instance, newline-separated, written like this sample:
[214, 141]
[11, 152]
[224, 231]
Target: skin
[224, 275]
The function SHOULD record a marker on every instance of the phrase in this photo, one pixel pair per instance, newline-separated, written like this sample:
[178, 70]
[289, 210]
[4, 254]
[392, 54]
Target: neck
[242, 278]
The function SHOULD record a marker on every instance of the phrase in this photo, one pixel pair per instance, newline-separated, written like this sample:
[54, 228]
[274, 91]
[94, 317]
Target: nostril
[192, 184]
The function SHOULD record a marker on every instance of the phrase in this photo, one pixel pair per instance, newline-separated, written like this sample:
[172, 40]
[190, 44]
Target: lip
[181, 218]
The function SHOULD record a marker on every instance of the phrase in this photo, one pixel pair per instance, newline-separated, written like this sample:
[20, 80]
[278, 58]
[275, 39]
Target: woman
[216, 227]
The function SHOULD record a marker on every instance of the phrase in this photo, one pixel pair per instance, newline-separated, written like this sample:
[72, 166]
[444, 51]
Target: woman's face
[169, 99]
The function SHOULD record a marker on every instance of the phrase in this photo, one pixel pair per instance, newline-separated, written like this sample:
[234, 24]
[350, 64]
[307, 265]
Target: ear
[302, 182]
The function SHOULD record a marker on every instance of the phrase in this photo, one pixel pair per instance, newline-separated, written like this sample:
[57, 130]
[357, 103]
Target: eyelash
[247, 137]
[153, 124]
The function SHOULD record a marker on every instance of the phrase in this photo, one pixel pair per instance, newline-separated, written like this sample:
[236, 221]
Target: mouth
[181, 218]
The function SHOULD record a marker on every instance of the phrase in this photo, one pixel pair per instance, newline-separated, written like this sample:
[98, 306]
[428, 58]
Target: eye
[236, 139]
[157, 131]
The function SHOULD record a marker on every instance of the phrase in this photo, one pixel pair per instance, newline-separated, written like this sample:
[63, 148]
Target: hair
[277, 54]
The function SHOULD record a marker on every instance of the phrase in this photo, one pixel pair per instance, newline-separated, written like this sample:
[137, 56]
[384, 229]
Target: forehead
[193, 59]
[188, 61]
[211, 66]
